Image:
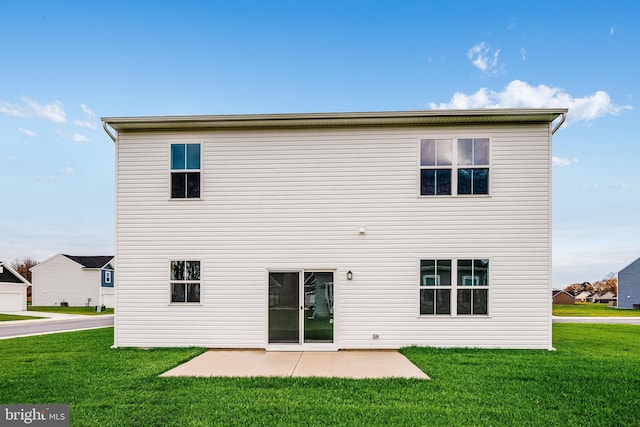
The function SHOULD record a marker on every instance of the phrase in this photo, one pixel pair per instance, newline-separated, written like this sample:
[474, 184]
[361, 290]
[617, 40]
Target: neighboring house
[336, 230]
[13, 289]
[583, 296]
[562, 297]
[605, 297]
[629, 286]
[74, 280]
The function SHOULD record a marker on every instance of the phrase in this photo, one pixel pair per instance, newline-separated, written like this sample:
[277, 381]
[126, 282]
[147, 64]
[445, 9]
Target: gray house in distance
[629, 285]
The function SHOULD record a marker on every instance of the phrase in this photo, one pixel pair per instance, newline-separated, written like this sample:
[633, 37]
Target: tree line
[608, 284]
[23, 267]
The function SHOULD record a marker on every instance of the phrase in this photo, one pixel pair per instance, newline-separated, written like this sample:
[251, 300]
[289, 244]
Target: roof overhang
[307, 120]
[24, 281]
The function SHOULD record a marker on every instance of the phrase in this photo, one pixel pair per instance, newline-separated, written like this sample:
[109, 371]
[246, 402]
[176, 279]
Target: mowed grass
[593, 379]
[91, 310]
[7, 317]
[589, 309]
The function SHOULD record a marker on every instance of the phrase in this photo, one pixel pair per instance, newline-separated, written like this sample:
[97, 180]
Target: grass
[91, 310]
[589, 309]
[8, 317]
[591, 380]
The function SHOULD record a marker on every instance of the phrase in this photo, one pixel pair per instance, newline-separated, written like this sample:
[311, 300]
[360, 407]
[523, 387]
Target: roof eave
[388, 118]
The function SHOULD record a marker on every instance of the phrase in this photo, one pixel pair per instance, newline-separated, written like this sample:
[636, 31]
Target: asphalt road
[37, 327]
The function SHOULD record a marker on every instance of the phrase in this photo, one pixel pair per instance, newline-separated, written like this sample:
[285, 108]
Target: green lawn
[7, 317]
[91, 310]
[592, 310]
[591, 380]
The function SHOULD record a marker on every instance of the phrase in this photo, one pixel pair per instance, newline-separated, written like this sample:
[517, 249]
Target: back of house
[334, 231]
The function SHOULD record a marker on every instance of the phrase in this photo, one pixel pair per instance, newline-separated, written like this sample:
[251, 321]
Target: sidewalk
[611, 320]
[46, 316]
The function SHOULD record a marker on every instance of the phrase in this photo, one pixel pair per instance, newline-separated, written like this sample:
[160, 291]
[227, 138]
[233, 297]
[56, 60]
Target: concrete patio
[339, 364]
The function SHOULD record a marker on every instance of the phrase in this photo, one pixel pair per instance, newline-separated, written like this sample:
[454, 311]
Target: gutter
[564, 117]
[106, 129]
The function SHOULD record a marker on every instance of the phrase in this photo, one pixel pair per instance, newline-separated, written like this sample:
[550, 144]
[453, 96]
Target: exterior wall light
[349, 275]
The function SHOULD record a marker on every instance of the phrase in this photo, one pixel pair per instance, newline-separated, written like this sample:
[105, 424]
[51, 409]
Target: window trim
[171, 282]
[454, 167]
[171, 170]
[454, 287]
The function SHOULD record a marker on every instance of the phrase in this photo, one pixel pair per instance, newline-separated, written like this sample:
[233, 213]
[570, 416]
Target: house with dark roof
[74, 280]
[13, 289]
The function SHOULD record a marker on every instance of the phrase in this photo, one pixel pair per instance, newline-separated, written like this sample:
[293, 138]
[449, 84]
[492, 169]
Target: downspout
[104, 126]
[115, 257]
[564, 117]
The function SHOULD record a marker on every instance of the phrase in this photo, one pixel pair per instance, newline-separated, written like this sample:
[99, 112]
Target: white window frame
[454, 286]
[107, 276]
[423, 285]
[475, 279]
[454, 167]
[199, 170]
[186, 282]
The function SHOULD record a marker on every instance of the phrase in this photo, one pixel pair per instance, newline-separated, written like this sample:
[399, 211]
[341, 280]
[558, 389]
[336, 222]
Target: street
[38, 327]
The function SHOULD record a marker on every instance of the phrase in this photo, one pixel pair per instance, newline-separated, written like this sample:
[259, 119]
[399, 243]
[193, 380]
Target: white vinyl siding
[60, 279]
[13, 297]
[296, 199]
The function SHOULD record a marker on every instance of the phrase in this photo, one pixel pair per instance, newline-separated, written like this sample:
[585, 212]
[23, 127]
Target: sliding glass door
[301, 307]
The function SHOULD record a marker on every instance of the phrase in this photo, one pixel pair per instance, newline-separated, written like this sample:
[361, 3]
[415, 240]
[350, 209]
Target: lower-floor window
[454, 287]
[185, 281]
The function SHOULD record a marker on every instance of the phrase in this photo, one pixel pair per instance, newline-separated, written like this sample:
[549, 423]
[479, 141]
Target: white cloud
[80, 138]
[483, 58]
[611, 31]
[27, 132]
[30, 108]
[563, 161]
[67, 170]
[91, 122]
[523, 53]
[519, 94]
[12, 110]
[54, 111]
[47, 177]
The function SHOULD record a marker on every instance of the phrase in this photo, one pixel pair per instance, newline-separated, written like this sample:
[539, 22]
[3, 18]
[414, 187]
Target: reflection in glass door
[284, 311]
[297, 305]
[318, 307]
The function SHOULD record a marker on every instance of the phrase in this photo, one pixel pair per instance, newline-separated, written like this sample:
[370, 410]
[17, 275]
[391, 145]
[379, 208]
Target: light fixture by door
[349, 275]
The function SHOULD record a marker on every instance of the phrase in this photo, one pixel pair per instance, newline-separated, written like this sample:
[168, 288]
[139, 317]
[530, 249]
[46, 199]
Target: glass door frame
[301, 345]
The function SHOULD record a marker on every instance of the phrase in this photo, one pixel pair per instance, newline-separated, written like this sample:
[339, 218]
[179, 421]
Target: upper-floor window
[185, 171]
[107, 276]
[435, 167]
[473, 166]
[451, 167]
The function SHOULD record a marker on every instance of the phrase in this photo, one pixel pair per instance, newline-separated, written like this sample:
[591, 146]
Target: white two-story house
[336, 230]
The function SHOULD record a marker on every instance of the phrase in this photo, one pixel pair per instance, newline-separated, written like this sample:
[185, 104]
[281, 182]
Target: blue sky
[66, 64]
